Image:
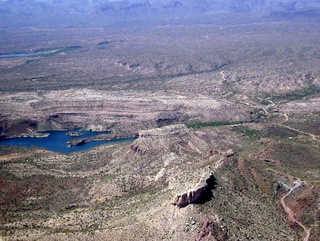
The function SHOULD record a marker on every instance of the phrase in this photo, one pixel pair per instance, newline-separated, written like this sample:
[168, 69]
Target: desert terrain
[226, 119]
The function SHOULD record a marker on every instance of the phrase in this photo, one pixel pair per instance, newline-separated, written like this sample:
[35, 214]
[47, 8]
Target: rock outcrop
[77, 142]
[199, 196]
[161, 138]
[123, 113]
[73, 133]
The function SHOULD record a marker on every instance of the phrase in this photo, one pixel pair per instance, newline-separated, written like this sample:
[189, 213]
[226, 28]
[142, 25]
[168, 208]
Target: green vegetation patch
[211, 124]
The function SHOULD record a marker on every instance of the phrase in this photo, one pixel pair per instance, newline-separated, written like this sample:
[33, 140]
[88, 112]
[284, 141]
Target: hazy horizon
[45, 13]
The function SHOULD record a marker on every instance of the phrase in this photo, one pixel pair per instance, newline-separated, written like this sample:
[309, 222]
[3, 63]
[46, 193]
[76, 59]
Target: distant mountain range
[26, 11]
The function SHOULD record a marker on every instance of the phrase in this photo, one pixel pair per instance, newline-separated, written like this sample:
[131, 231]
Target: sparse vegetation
[140, 80]
[280, 132]
[298, 94]
[251, 133]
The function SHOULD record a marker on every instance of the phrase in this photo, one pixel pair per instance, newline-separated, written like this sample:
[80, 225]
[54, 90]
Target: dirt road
[291, 214]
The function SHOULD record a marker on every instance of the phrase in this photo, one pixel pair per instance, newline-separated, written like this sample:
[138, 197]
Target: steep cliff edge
[125, 113]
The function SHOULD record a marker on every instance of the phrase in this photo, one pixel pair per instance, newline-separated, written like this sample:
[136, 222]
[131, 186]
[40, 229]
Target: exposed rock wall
[122, 112]
[199, 196]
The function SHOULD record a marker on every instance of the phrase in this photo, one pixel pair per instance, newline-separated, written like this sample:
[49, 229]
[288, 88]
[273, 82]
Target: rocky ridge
[123, 113]
[115, 191]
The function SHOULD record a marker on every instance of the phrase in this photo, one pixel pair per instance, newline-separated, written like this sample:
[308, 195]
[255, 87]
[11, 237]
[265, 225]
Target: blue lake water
[31, 54]
[18, 55]
[57, 141]
[38, 52]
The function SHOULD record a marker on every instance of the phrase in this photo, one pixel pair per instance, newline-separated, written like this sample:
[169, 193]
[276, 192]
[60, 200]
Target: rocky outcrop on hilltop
[199, 196]
[198, 186]
[161, 138]
[173, 144]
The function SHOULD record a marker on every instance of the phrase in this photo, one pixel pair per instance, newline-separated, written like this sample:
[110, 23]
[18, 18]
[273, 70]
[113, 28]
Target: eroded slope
[131, 191]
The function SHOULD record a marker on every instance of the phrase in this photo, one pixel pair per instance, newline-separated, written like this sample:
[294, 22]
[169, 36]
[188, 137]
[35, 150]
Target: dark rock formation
[199, 196]
[76, 142]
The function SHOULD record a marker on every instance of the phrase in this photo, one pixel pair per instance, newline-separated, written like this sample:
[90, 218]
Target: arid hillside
[225, 119]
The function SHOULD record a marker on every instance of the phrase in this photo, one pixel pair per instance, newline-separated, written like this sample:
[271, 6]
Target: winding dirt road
[313, 137]
[291, 215]
[274, 105]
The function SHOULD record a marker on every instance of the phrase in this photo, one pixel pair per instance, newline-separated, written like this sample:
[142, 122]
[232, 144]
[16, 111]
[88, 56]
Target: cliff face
[122, 112]
[201, 195]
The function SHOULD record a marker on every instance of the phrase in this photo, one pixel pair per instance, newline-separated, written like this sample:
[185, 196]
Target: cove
[57, 141]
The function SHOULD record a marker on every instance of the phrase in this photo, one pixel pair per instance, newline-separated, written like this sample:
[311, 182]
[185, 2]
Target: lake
[57, 141]
[31, 54]
[42, 52]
